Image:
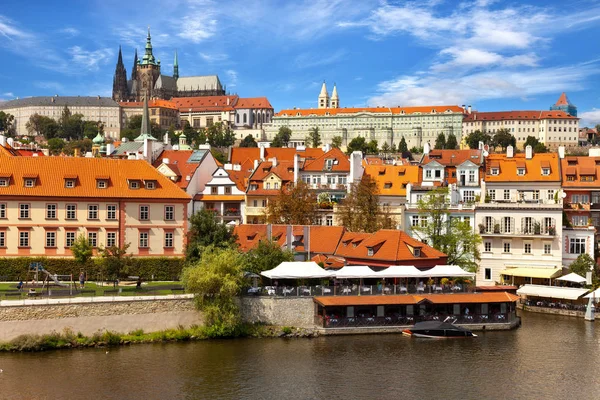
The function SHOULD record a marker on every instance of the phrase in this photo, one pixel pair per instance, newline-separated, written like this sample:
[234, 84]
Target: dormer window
[70, 183]
[417, 252]
[545, 171]
[571, 178]
[328, 164]
[370, 251]
[29, 182]
[101, 184]
[387, 185]
[521, 171]
[134, 184]
[3, 182]
[495, 171]
[150, 185]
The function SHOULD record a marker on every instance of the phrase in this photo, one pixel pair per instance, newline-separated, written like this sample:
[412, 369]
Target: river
[549, 357]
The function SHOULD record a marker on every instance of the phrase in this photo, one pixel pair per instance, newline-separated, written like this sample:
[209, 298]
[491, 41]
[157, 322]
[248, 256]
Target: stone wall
[283, 311]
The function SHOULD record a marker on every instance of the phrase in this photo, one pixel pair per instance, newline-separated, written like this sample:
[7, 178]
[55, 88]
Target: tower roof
[175, 67]
[334, 94]
[145, 132]
[323, 91]
[148, 58]
[120, 60]
[563, 100]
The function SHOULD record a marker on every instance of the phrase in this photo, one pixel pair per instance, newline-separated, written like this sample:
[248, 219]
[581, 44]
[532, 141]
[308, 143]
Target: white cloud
[8, 94]
[90, 59]
[310, 60]
[232, 78]
[10, 31]
[589, 118]
[70, 31]
[214, 58]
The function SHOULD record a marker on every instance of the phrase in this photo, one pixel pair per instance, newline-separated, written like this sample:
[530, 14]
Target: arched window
[245, 118]
[237, 118]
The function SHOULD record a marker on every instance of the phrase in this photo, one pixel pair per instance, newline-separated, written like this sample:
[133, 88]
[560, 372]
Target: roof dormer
[5, 179]
[70, 181]
[30, 180]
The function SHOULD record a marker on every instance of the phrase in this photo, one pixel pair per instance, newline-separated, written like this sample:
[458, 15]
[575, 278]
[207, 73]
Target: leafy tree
[82, 250]
[531, 141]
[402, 147]
[42, 125]
[540, 148]
[219, 135]
[449, 235]
[282, 138]
[360, 210]
[248, 141]
[55, 146]
[416, 150]
[219, 155]
[584, 264]
[83, 146]
[135, 122]
[372, 147]
[296, 204]
[216, 280]
[206, 231]
[477, 136]
[134, 127]
[357, 144]
[440, 142]
[503, 138]
[114, 260]
[71, 127]
[385, 149]
[65, 116]
[129, 134]
[451, 142]
[92, 128]
[393, 149]
[267, 255]
[6, 123]
[336, 142]
[314, 137]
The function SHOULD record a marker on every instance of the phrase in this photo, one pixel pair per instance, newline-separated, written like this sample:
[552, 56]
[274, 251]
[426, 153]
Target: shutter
[512, 224]
[522, 225]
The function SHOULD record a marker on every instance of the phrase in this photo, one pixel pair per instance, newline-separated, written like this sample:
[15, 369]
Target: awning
[594, 294]
[450, 271]
[297, 270]
[355, 272]
[572, 277]
[544, 273]
[551, 292]
[400, 271]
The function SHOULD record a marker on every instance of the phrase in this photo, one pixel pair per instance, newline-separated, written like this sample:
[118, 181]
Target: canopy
[551, 292]
[440, 271]
[595, 294]
[355, 272]
[297, 270]
[400, 271]
[572, 277]
[545, 273]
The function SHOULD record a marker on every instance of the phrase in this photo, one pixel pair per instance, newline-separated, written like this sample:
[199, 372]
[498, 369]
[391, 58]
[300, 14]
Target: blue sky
[495, 55]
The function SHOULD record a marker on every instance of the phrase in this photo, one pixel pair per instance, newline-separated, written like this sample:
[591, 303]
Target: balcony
[328, 186]
[531, 233]
[520, 205]
[255, 211]
[579, 206]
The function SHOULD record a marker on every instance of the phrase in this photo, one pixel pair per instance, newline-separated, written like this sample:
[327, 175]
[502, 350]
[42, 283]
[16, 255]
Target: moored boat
[437, 330]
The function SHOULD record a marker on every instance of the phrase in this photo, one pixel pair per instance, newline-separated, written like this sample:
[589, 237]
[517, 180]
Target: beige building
[163, 113]
[92, 108]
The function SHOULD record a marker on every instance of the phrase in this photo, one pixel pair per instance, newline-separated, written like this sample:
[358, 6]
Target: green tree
[282, 138]
[82, 250]
[206, 231]
[449, 235]
[451, 142]
[7, 124]
[477, 136]
[372, 147]
[266, 255]
[503, 138]
[402, 147]
[386, 149]
[216, 280]
[92, 128]
[114, 260]
[531, 141]
[393, 149]
[360, 211]
[357, 144]
[219, 155]
[296, 204]
[440, 142]
[42, 125]
[219, 135]
[336, 142]
[540, 148]
[83, 146]
[314, 138]
[55, 146]
[248, 141]
[584, 264]
[71, 126]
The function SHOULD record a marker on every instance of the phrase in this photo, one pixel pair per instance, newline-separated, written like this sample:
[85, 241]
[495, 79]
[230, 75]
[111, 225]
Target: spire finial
[175, 67]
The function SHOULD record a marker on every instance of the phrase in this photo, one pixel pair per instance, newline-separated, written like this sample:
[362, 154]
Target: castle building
[147, 81]
[563, 104]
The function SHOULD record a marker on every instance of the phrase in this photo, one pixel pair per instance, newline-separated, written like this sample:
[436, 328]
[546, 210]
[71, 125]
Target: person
[466, 310]
[20, 285]
[82, 280]
[138, 284]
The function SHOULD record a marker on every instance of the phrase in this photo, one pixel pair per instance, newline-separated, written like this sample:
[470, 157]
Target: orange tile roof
[562, 100]
[151, 104]
[219, 197]
[179, 165]
[253, 102]
[205, 103]
[516, 115]
[240, 155]
[375, 110]
[582, 166]
[394, 176]
[318, 164]
[52, 172]
[453, 157]
[329, 262]
[284, 170]
[487, 297]
[533, 168]
[456, 298]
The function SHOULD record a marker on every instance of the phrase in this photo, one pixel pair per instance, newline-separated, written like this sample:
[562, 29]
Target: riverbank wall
[553, 311]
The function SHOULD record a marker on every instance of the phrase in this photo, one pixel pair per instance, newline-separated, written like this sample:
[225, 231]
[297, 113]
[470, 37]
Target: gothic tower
[324, 97]
[175, 67]
[335, 100]
[148, 71]
[120, 92]
[134, 69]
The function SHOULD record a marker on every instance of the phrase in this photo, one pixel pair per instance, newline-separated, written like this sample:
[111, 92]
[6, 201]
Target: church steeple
[120, 92]
[134, 69]
[175, 67]
[145, 132]
[324, 97]
[335, 100]
[148, 58]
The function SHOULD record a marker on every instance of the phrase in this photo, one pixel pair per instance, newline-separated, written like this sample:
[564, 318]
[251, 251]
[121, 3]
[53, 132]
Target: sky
[493, 55]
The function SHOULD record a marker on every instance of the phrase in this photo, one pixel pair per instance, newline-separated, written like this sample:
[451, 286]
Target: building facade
[163, 113]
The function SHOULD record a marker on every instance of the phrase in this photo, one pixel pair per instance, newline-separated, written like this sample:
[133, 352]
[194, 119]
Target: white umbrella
[572, 277]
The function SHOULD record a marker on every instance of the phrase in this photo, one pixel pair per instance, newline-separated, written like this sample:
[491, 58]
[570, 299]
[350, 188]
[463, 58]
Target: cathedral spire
[134, 69]
[148, 58]
[120, 91]
[145, 132]
[176, 67]
[120, 60]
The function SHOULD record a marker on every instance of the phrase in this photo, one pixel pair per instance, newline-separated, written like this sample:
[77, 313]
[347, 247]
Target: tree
[451, 142]
[114, 260]
[531, 141]
[219, 155]
[393, 149]
[216, 280]
[440, 142]
[282, 138]
[206, 231]
[82, 250]
[372, 147]
[477, 136]
[248, 141]
[296, 204]
[336, 142]
[584, 264]
[71, 126]
[83, 146]
[503, 138]
[7, 124]
[266, 255]
[42, 125]
[449, 235]
[219, 135]
[357, 144]
[385, 149]
[92, 128]
[540, 148]
[402, 147]
[314, 138]
[55, 146]
[360, 210]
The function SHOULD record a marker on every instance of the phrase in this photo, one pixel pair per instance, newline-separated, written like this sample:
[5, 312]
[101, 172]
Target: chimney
[2, 140]
[269, 232]
[426, 148]
[10, 141]
[289, 238]
[464, 108]
[165, 160]
[262, 152]
[356, 169]
[469, 109]
[88, 154]
[227, 100]
[528, 152]
[326, 147]
[510, 152]
[255, 164]
[109, 149]
[561, 151]
[274, 161]
[296, 167]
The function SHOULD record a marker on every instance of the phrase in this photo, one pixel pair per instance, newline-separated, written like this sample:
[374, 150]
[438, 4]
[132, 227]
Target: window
[438, 173]
[428, 174]
[102, 184]
[111, 211]
[228, 189]
[342, 179]
[550, 195]
[469, 196]
[275, 186]
[370, 251]
[585, 199]
[268, 185]
[69, 239]
[2, 239]
[51, 211]
[29, 183]
[520, 171]
[168, 239]
[264, 203]
[70, 183]
[417, 252]
[489, 224]
[111, 239]
[467, 220]
[93, 238]
[2, 210]
[471, 176]
[495, 171]
[214, 190]
[488, 274]
[169, 213]
[329, 220]
[143, 239]
[414, 220]
[134, 185]
[144, 213]
[545, 171]
[71, 211]
[527, 248]
[3, 182]
[536, 195]
[579, 220]
[506, 194]
[506, 247]
[577, 246]
[24, 239]
[150, 185]
[487, 247]
[51, 239]
[547, 248]
[23, 211]
[507, 224]
[92, 211]
[492, 194]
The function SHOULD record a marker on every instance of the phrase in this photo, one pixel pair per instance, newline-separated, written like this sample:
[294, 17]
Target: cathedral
[148, 82]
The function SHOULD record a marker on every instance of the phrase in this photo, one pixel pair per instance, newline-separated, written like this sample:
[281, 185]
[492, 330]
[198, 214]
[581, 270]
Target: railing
[542, 232]
[409, 320]
[255, 210]
[355, 290]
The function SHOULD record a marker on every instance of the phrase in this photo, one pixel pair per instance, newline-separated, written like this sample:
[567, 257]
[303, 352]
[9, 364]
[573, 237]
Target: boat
[437, 330]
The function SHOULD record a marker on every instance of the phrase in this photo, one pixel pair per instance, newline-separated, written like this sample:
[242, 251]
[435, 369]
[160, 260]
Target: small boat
[437, 330]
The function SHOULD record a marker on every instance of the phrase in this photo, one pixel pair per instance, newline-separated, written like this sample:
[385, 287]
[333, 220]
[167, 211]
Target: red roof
[453, 157]
[341, 163]
[374, 110]
[516, 115]
[205, 103]
[239, 155]
[179, 165]
[562, 100]
[253, 102]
